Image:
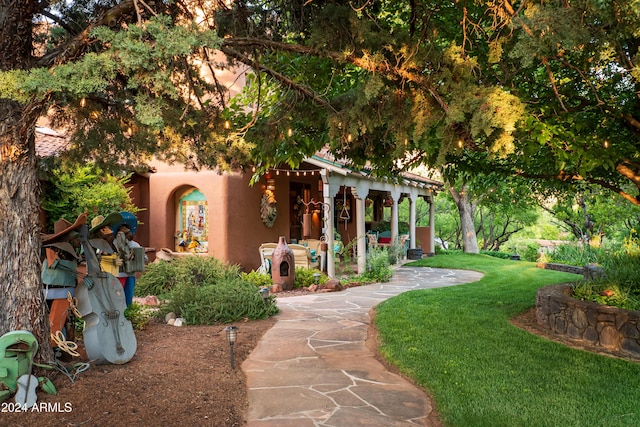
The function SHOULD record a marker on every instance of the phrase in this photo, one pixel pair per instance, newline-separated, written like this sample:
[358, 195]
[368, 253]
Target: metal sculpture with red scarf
[108, 334]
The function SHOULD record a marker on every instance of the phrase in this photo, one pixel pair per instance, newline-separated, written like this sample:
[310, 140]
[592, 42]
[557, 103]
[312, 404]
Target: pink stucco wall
[235, 229]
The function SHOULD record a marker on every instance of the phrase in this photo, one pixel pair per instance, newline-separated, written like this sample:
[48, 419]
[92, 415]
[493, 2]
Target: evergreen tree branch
[304, 90]
[78, 44]
[364, 61]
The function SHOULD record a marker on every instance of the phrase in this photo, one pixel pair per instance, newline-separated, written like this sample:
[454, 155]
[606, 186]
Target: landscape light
[232, 334]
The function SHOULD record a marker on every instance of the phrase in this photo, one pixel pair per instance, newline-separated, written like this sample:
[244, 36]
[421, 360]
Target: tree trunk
[23, 305]
[465, 208]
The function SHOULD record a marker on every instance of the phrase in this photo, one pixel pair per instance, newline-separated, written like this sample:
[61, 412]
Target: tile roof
[50, 143]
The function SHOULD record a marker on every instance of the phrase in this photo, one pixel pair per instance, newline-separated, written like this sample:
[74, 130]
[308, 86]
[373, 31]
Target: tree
[592, 214]
[495, 210]
[547, 89]
[125, 78]
[485, 86]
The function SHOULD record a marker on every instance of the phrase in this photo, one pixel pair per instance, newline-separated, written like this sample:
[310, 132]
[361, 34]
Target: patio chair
[303, 256]
[372, 239]
[266, 253]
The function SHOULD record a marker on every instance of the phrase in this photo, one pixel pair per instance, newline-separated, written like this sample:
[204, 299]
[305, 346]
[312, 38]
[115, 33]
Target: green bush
[620, 284]
[378, 267]
[204, 290]
[138, 315]
[160, 278]
[530, 252]
[304, 277]
[496, 254]
[573, 254]
[259, 279]
[223, 302]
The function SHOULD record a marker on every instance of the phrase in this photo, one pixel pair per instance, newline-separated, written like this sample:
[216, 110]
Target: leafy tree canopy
[546, 90]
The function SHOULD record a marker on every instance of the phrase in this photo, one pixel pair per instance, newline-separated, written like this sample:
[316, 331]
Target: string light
[297, 172]
[83, 102]
[227, 124]
[606, 144]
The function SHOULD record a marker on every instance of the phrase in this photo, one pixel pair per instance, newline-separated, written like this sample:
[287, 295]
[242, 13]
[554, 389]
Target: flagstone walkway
[313, 369]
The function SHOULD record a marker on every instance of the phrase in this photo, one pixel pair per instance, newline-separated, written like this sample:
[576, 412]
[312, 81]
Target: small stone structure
[611, 328]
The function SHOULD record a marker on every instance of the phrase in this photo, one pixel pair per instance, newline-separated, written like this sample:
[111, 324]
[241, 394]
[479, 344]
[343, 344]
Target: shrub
[259, 279]
[160, 278]
[531, 252]
[223, 302]
[620, 285]
[496, 254]
[204, 290]
[605, 293]
[573, 254]
[138, 315]
[378, 267]
[304, 277]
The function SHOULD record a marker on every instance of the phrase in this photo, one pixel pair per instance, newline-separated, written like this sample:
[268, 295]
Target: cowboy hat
[100, 221]
[63, 246]
[62, 227]
[129, 220]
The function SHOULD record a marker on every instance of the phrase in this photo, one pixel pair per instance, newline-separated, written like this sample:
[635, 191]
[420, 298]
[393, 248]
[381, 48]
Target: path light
[265, 295]
[232, 334]
[316, 278]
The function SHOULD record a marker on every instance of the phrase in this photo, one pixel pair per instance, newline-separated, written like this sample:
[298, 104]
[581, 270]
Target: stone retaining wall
[611, 328]
[588, 272]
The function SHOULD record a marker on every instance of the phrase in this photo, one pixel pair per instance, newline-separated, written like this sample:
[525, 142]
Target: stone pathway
[313, 369]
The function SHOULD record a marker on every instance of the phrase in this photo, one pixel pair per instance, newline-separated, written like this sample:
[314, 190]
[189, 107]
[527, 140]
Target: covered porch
[345, 196]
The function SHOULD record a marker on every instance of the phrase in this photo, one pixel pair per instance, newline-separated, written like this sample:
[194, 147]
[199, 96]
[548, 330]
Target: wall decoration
[194, 222]
[268, 208]
[342, 211]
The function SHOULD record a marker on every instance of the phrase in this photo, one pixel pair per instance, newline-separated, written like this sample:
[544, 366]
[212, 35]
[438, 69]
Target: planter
[414, 253]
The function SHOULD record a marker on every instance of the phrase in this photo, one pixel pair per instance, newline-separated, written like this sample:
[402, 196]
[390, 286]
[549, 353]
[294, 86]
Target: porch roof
[326, 161]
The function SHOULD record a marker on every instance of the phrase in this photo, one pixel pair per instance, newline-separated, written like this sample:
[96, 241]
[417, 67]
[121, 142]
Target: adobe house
[223, 211]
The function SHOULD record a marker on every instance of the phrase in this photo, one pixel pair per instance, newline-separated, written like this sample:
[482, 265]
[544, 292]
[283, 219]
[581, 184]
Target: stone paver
[314, 369]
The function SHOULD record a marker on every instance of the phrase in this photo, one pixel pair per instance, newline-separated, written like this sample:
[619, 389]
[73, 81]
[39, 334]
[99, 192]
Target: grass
[458, 344]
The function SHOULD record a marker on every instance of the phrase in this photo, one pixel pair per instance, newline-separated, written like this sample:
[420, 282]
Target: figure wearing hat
[101, 238]
[59, 272]
[131, 253]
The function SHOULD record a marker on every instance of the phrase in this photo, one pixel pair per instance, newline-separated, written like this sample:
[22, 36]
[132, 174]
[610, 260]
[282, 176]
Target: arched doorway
[192, 218]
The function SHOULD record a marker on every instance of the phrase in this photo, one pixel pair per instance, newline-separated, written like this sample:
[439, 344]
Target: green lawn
[458, 344]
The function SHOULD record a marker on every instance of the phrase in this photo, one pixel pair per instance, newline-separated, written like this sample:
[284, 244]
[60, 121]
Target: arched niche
[192, 220]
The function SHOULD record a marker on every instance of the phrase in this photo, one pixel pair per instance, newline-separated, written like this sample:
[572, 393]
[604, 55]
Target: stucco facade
[223, 209]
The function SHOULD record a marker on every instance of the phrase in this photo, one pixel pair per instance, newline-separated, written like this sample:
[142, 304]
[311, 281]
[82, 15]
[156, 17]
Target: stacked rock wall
[611, 328]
